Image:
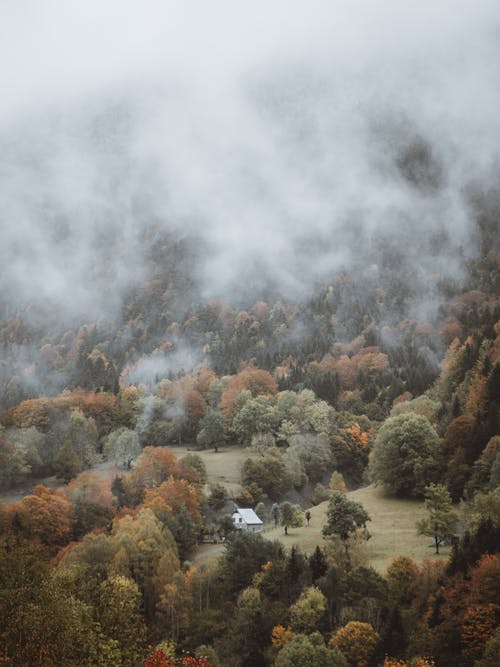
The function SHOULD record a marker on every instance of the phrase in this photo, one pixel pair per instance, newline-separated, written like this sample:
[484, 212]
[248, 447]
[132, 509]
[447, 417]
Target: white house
[246, 519]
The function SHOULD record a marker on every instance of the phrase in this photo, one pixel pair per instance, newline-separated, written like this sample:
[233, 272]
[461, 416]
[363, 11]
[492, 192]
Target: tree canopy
[405, 455]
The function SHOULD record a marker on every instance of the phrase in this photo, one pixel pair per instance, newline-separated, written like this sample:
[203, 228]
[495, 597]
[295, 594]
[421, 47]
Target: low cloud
[285, 139]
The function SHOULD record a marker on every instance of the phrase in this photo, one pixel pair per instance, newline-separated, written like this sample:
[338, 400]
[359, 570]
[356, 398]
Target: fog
[285, 138]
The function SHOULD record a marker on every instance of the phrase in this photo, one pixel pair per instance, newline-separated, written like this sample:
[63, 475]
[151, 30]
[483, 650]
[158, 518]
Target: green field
[392, 526]
[392, 529]
[223, 467]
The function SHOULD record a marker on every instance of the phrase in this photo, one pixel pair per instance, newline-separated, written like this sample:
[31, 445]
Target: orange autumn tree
[46, 515]
[281, 635]
[254, 380]
[173, 494]
[357, 641]
[39, 412]
[191, 398]
[154, 466]
[485, 580]
[350, 447]
[478, 627]
[356, 435]
[203, 379]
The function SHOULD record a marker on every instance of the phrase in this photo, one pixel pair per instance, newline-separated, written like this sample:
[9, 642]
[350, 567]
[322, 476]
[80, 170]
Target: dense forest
[297, 262]
[99, 568]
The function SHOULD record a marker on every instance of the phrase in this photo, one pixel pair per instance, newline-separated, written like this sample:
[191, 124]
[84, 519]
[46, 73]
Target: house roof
[248, 516]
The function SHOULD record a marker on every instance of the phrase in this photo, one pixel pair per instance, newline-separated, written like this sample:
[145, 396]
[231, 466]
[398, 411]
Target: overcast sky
[271, 130]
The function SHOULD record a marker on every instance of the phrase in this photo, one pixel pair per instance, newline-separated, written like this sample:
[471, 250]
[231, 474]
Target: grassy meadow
[392, 526]
[223, 467]
[392, 529]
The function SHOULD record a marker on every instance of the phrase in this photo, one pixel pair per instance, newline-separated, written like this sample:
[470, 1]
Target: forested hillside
[259, 271]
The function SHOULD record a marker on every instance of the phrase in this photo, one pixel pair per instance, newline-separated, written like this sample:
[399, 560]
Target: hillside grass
[392, 529]
[223, 467]
[392, 526]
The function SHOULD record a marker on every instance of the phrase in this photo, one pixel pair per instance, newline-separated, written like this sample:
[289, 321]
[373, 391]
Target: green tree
[268, 472]
[404, 457]
[363, 592]
[256, 416]
[309, 650]
[442, 520]
[290, 516]
[119, 615]
[225, 525]
[212, 431]
[402, 574]
[248, 627]
[337, 482]
[29, 443]
[244, 555]
[122, 446]
[260, 511]
[344, 517]
[41, 623]
[192, 468]
[275, 513]
[317, 564]
[82, 433]
[218, 496]
[308, 613]
[313, 452]
[151, 554]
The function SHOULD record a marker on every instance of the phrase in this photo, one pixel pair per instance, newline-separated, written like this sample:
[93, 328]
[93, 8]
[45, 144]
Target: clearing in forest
[392, 528]
[223, 467]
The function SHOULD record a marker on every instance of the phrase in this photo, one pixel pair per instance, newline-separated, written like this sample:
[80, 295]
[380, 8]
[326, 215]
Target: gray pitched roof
[249, 516]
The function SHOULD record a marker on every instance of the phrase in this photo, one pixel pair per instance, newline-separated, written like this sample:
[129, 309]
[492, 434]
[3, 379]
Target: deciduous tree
[309, 650]
[357, 641]
[122, 446]
[308, 613]
[442, 520]
[344, 516]
[212, 431]
[290, 516]
[404, 457]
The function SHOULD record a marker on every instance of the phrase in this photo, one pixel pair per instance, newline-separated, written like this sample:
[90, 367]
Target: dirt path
[207, 552]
